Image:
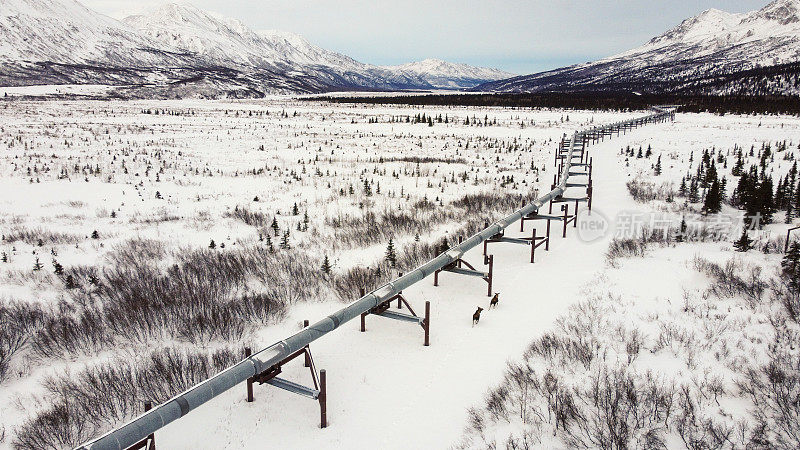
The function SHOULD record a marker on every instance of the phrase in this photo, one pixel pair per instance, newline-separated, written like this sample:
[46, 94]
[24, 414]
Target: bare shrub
[733, 279]
[775, 389]
[253, 218]
[618, 411]
[646, 191]
[18, 322]
[90, 402]
[34, 236]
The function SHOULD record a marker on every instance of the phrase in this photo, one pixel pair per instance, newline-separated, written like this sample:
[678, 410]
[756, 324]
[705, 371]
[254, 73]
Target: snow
[385, 389]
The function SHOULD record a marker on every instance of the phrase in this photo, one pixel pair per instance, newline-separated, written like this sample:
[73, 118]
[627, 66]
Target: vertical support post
[436, 278]
[247, 353]
[151, 439]
[307, 358]
[461, 238]
[565, 208]
[547, 242]
[427, 323]
[575, 222]
[363, 315]
[491, 266]
[485, 244]
[589, 195]
[399, 300]
[323, 399]
[533, 244]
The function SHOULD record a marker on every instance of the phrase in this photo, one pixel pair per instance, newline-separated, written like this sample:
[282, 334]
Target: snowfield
[127, 198]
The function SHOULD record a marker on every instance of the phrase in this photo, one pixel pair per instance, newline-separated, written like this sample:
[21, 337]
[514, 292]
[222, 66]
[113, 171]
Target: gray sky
[518, 36]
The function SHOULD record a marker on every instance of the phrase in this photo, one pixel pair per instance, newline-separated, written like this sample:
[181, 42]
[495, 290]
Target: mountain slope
[179, 50]
[447, 75]
[65, 31]
[713, 45]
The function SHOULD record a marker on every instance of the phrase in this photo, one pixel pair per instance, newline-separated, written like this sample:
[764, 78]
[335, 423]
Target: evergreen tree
[295, 210]
[766, 204]
[58, 269]
[744, 243]
[326, 266]
[37, 265]
[212, 244]
[274, 225]
[285, 240]
[367, 188]
[95, 235]
[682, 190]
[713, 201]
[739, 166]
[790, 266]
[391, 255]
[681, 234]
[658, 166]
[694, 194]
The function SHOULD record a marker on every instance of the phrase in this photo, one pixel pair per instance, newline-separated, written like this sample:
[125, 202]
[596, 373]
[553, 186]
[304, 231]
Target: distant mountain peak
[714, 51]
[784, 12]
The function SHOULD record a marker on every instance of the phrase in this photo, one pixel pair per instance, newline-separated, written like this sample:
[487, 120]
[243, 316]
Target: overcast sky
[518, 36]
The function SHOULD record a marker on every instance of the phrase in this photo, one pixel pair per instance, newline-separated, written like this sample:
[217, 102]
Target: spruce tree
[367, 188]
[391, 255]
[790, 266]
[326, 266]
[694, 194]
[658, 166]
[744, 243]
[713, 201]
[274, 225]
[285, 240]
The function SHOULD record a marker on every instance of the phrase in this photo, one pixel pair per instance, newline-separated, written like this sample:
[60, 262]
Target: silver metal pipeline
[151, 421]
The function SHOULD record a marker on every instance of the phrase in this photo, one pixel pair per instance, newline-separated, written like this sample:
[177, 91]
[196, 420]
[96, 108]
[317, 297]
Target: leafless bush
[374, 227]
[253, 218]
[645, 191]
[618, 411]
[88, 403]
[35, 236]
[775, 389]
[18, 323]
[733, 279]
[202, 298]
[786, 295]
[627, 247]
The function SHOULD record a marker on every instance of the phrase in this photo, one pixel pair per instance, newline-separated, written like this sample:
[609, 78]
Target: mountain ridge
[713, 44]
[181, 45]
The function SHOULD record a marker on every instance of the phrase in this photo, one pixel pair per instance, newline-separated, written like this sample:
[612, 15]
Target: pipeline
[173, 409]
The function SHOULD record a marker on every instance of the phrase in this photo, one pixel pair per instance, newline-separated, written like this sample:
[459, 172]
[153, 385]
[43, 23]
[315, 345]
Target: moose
[494, 300]
[477, 316]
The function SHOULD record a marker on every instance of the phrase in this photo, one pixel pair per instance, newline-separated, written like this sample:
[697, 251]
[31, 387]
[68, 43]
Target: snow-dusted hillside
[65, 32]
[714, 45]
[179, 50]
[443, 74]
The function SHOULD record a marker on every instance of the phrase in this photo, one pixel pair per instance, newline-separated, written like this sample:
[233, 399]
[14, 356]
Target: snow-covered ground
[184, 176]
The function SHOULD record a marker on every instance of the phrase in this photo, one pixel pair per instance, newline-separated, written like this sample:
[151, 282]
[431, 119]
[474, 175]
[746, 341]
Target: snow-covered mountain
[713, 52]
[447, 75]
[178, 50]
